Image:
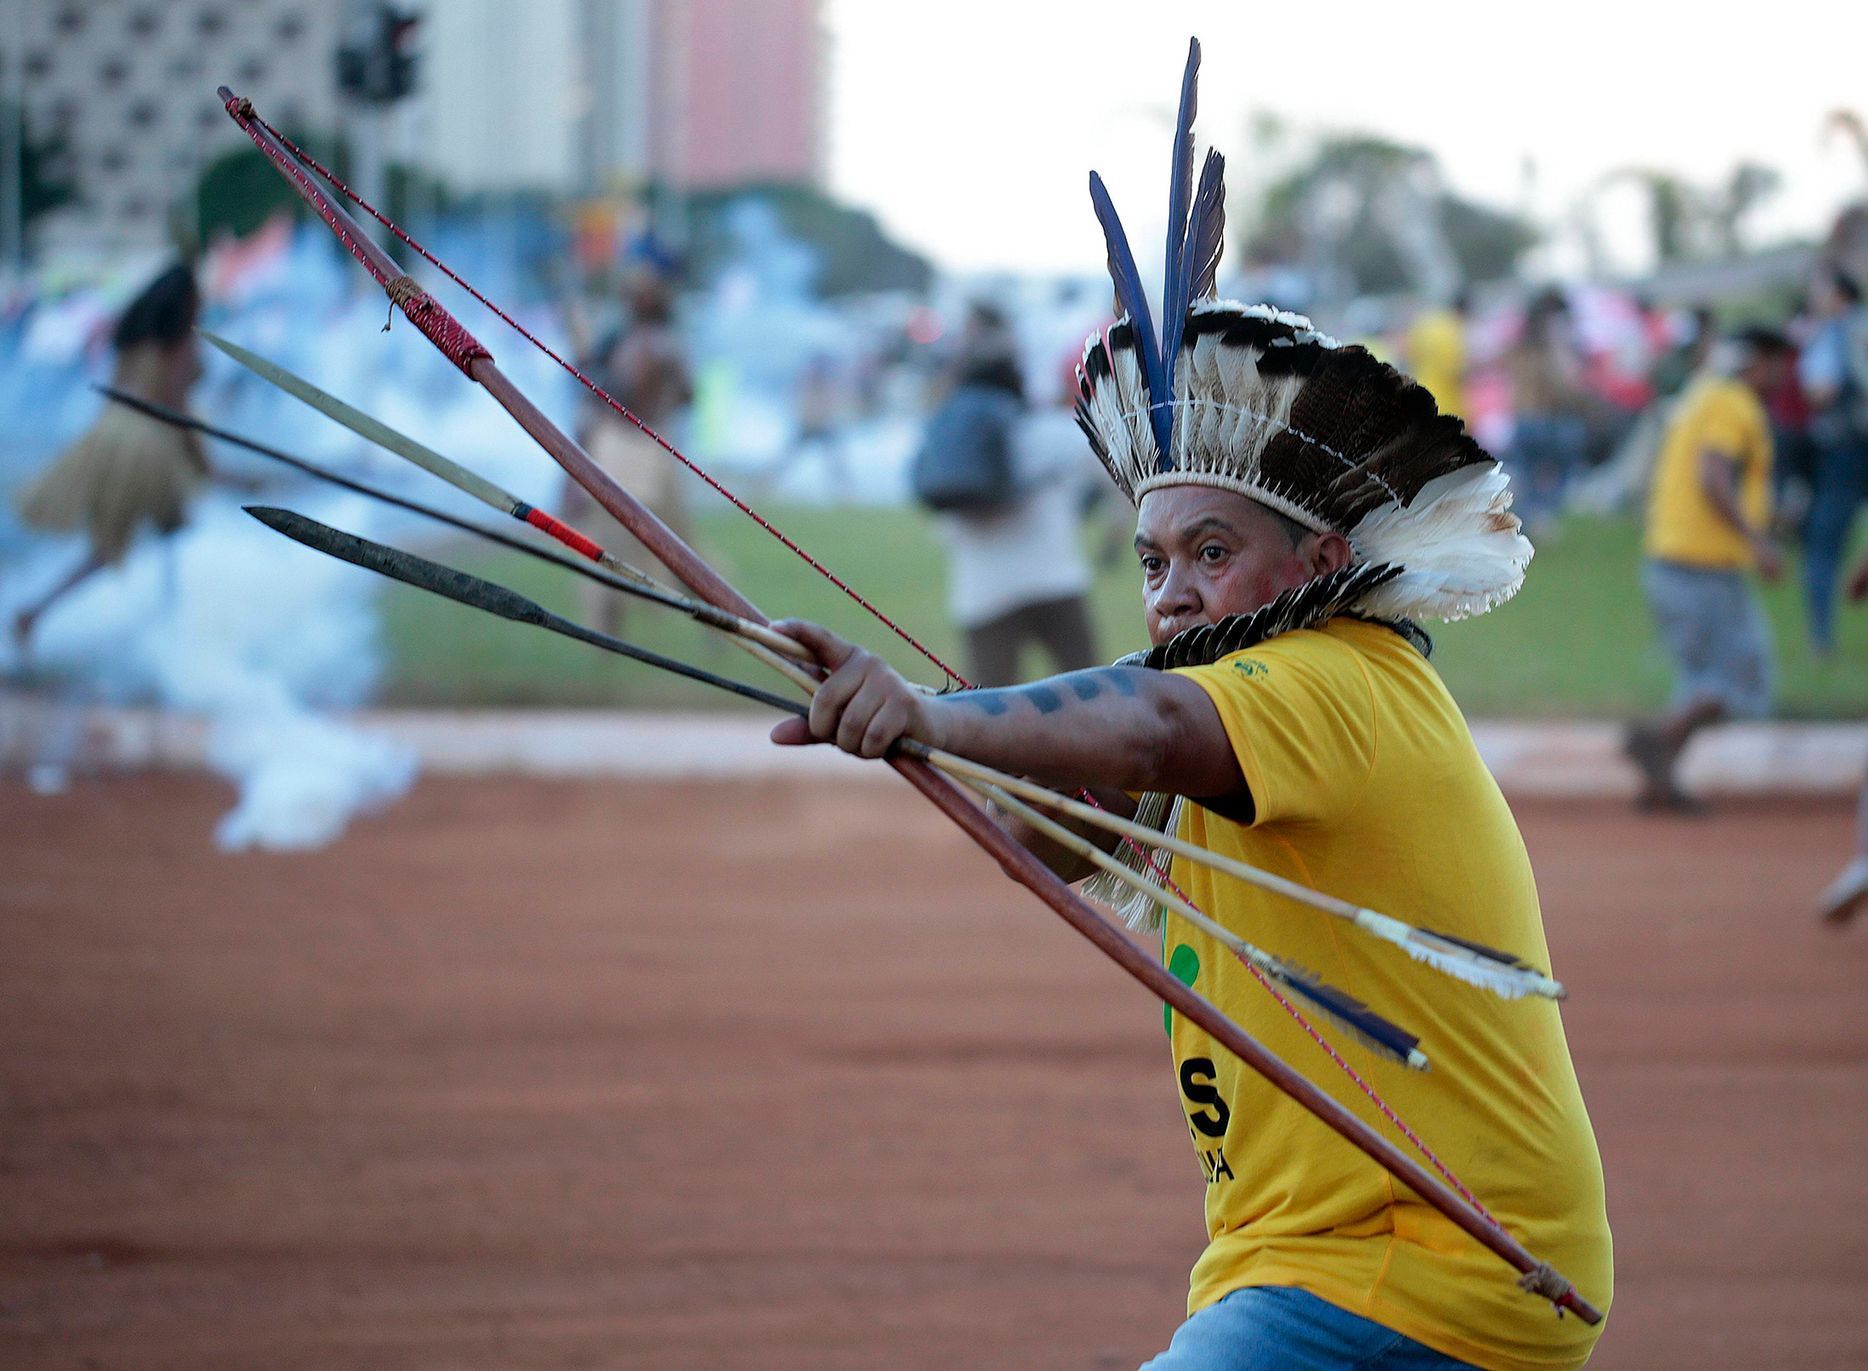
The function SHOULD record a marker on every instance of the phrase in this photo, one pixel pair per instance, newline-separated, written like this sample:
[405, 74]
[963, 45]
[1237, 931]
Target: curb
[1561, 759]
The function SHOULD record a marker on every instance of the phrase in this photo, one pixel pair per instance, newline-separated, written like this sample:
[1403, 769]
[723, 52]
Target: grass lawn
[1575, 642]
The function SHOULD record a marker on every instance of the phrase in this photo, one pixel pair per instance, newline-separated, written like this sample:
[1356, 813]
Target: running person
[1708, 529]
[128, 471]
[1309, 504]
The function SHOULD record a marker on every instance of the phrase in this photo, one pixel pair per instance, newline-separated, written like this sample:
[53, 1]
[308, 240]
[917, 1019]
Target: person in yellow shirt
[1300, 505]
[1708, 529]
[1435, 351]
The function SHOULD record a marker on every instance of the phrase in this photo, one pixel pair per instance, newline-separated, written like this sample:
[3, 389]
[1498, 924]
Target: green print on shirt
[1249, 666]
[1183, 966]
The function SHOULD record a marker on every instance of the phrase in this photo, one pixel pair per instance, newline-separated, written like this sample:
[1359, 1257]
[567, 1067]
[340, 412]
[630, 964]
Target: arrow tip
[270, 515]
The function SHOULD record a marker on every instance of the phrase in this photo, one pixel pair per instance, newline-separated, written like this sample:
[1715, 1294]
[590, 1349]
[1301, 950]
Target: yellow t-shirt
[1367, 785]
[1436, 353]
[1717, 415]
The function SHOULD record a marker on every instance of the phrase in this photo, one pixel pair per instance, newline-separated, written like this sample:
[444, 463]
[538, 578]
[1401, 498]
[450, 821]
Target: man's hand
[1718, 481]
[1770, 560]
[1120, 727]
[864, 706]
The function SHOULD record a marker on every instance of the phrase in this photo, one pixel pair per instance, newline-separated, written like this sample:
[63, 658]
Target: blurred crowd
[1574, 387]
[1579, 392]
[1577, 389]
[1735, 443]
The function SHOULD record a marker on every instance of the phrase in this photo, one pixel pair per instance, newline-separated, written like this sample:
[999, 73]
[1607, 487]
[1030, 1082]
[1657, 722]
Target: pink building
[753, 73]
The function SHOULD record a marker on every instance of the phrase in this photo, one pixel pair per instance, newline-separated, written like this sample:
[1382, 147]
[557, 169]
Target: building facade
[127, 88]
[565, 97]
[596, 95]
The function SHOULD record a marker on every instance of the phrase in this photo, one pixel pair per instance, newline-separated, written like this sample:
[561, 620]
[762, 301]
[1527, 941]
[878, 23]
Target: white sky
[970, 126]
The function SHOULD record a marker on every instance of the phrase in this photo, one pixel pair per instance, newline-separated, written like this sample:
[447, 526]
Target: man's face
[1767, 372]
[1207, 553]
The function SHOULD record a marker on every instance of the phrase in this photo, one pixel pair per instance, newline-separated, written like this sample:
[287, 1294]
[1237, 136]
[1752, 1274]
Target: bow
[466, 352]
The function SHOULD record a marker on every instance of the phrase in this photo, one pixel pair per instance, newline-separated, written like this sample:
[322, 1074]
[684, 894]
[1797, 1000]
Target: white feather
[1463, 964]
[1461, 546]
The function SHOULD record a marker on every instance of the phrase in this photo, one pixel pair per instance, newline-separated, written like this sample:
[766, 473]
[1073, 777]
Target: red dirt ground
[568, 1075]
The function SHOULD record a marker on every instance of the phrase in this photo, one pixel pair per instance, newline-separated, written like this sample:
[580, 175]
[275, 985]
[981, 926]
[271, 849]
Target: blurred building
[596, 95]
[754, 88]
[560, 96]
[127, 88]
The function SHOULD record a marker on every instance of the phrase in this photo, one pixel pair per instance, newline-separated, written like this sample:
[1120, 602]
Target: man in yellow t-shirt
[1289, 703]
[1708, 527]
[1365, 783]
[1435, 350]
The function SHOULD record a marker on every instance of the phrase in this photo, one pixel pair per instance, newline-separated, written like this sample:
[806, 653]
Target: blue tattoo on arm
[1047, 698]
[988, 701]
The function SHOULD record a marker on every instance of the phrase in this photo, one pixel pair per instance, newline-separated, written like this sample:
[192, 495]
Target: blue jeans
[1841, 485]
[1276, 1328]
[1715, 631]
[1547, 450]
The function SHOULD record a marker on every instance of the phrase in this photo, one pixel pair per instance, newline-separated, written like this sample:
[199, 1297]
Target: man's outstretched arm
[1121, 727]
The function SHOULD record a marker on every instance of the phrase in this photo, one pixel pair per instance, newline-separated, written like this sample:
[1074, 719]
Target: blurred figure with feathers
[127, 471]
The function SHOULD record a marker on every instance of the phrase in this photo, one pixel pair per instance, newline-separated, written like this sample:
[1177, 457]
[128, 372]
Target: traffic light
[376, 57]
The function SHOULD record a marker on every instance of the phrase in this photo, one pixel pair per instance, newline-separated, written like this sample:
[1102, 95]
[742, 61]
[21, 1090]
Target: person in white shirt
[1017, 574]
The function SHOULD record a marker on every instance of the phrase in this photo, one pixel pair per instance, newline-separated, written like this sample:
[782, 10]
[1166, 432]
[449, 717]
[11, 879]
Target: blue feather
[1180, 192]
[1206, 233]
[1490, 953]
[1386, 1037]
[1133, 300]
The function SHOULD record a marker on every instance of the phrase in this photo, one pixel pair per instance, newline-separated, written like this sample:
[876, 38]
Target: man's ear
[1327, 552]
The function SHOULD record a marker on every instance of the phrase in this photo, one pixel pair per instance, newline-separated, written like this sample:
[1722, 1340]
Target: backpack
[964, 465]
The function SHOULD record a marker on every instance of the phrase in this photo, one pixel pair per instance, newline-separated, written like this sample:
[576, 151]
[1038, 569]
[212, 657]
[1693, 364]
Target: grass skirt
[126, 470]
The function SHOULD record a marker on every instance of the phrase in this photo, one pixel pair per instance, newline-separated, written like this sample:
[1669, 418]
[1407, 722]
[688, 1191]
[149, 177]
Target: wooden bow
[441, 328]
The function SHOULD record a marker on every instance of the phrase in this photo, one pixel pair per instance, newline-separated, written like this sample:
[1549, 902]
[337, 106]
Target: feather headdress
[1250, 399]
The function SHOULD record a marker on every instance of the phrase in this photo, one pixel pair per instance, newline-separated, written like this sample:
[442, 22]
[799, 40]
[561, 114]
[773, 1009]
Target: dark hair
[164, 313]
[1761, 340]
[984, 314]
[1845, 283]
[650, 297]
[1293, 530]
[995, 368]
[1547, 305]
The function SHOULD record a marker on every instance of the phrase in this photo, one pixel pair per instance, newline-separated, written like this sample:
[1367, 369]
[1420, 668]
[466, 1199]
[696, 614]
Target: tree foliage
[240, 190]
[855, 256]
[43, 184]
[1687, 222]
[1368, 208]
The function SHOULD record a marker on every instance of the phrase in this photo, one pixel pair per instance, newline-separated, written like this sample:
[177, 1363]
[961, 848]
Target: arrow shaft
[634, 583]
[374, 430]
[477, 592]
[368, 427]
